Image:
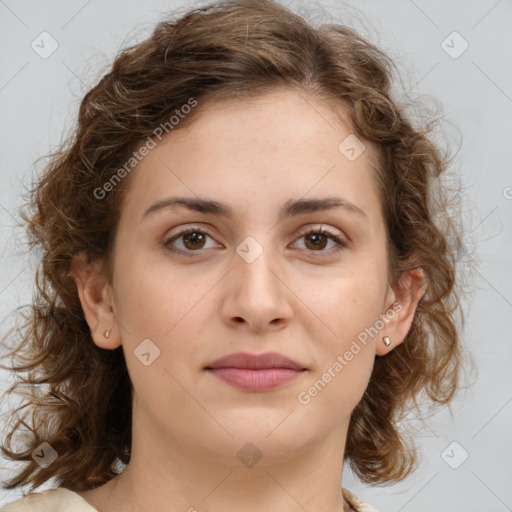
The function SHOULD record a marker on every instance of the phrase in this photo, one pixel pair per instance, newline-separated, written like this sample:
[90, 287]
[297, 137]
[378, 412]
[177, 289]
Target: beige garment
[64, 500]
[51, 500]
[357, 504]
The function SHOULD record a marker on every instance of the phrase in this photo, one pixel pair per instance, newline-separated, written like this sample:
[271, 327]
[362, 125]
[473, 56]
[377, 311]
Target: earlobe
[94, 293]
[399, 315]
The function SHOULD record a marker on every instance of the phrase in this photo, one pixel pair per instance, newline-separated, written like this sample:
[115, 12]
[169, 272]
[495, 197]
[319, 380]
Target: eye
[194, 240]
[191, 240]
[317, 239]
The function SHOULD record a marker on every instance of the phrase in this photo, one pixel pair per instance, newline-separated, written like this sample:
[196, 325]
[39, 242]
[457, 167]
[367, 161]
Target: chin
[249, 450]
[270, 436]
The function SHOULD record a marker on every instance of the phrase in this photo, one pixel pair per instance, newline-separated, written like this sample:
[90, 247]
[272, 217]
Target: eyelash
[317, 231]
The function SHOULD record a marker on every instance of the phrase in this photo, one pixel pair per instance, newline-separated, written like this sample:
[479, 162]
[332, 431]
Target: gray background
[39, 98]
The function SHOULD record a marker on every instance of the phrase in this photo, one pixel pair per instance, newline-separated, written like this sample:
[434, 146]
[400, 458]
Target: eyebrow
[291, 208]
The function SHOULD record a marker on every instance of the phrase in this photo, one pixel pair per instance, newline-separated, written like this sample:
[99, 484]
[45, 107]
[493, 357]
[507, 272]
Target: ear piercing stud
[106, 334]
[386, 341]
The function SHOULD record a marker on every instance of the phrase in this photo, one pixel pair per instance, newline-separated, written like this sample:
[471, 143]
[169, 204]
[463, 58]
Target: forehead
[260, 150]
[283, 119]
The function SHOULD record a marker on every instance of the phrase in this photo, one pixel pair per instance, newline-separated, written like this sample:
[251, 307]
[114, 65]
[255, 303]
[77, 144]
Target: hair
[77, 396]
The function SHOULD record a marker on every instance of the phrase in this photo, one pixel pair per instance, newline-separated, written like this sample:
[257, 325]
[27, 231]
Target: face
[242, 275]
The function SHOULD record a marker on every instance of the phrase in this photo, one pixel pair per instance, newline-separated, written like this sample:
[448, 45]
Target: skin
[188, 425]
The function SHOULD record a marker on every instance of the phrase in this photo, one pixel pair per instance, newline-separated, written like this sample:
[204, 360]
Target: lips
[250, 372]
[255, 361]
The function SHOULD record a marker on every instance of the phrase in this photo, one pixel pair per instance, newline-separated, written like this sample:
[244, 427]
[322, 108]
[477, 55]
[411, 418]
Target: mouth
[256, 373]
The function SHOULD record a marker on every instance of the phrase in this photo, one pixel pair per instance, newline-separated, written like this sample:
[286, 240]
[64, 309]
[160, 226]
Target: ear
[401, 303]
[95, 295]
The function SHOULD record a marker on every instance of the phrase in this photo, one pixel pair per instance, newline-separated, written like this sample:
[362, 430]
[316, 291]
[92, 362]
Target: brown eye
[194, 240]
[188, 241]
[316, 241]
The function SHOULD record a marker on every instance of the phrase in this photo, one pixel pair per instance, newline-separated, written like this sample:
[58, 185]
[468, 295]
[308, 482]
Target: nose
[257, 297]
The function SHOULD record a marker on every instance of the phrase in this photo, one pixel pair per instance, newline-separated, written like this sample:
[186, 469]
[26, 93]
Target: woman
[242, 285]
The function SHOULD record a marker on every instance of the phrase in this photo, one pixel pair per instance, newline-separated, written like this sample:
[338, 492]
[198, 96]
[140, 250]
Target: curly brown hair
[78, 397]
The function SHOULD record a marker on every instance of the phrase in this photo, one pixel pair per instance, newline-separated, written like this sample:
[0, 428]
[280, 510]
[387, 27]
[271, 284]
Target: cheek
[348, 303]
[163, 305]
[152, 297]
[159, 305]
[350, 309]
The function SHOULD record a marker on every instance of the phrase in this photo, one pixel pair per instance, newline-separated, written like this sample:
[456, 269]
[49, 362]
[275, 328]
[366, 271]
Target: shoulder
[51, 500]
[357, 503]
[64, 500]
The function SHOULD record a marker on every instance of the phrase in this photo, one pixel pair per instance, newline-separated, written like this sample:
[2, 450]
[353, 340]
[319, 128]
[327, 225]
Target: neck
[177, 478]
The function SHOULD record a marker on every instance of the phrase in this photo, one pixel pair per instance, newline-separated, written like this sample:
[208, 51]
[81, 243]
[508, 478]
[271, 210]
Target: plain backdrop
[458, 52]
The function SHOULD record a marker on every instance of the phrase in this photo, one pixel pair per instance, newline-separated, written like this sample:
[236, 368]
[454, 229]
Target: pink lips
[261, 372]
